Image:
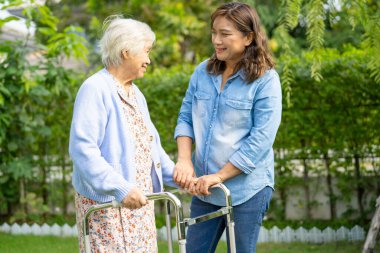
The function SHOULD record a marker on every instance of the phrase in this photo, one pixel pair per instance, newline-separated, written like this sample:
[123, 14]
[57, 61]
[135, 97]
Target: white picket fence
[274, 234]
[301, 234]
[35, 229]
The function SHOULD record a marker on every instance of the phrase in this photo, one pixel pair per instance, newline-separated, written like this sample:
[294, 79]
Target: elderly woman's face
[137, 64]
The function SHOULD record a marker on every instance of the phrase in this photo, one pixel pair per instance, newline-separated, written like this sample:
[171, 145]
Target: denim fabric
[203, 237]
[237, 125]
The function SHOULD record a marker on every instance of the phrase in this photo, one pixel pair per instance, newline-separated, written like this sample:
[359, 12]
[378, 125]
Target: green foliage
[315, 23]
[35, 207]
[345, 90]
[164, 90]
[325, 22]
[336, 116]
[40, 216]
[327, 56]
[35, 99]
[292, 9]
[69, 43]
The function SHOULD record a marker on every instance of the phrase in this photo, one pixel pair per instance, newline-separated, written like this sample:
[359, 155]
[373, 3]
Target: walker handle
[116, 204]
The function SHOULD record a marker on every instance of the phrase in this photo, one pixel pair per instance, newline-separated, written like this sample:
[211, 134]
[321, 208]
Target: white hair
[121, 34]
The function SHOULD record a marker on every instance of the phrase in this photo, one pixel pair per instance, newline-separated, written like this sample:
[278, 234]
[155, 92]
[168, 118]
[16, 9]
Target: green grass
[37, 244]
[340, 247]
[52, 244]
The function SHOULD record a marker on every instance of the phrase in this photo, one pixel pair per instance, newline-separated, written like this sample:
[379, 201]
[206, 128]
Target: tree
[33, 108]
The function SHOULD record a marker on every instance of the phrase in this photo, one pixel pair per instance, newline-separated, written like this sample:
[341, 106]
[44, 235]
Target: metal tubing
[182, 246]
[154, 196]
[222, 211]
[227, 210]
[227, 193]
[231, 235]
[168, 226]
[181, 222]
[230, 216]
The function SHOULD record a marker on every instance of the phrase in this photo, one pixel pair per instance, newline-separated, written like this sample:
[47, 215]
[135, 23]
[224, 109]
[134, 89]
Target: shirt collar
[242, 74]
[120, 89]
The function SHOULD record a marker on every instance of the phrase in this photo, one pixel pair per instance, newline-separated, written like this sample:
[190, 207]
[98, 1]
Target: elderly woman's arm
[86, 135]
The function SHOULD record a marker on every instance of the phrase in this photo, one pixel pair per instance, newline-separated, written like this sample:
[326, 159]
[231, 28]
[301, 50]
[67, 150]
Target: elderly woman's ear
[125, 54]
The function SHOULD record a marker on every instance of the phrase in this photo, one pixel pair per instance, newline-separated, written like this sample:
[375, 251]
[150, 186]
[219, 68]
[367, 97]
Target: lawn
[51, 244]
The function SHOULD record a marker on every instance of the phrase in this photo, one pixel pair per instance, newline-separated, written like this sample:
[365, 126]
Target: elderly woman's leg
[106, 231]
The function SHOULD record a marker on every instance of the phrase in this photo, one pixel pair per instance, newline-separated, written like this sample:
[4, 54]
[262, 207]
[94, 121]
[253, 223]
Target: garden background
[328, 57]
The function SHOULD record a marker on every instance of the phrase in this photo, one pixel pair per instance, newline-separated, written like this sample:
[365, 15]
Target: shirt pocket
[201, 103]
[237, 113]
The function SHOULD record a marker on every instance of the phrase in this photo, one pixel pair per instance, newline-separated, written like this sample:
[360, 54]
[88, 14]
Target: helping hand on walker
[181, 222]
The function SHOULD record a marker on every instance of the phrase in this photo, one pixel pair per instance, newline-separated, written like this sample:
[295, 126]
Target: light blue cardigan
[101, 145]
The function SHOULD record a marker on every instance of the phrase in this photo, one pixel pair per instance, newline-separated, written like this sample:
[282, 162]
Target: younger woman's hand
[184, 173]
[204, 183]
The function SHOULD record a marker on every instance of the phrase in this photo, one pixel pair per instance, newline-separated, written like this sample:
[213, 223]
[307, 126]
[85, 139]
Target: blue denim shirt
[237, 125]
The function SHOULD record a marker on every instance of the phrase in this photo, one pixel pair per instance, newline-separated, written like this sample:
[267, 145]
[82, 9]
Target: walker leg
[168, 226]
[227, 210]
[182, 246]
[231, 235]
[87, 244]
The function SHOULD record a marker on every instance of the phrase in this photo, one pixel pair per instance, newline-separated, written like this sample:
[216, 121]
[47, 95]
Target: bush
[164, 90]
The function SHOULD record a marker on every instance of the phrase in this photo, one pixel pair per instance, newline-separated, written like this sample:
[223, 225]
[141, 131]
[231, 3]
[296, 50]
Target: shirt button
[151, 138]
[210, 126]
[158, 165]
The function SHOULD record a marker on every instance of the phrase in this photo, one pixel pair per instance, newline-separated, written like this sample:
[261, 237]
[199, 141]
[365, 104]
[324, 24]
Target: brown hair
[257, 58]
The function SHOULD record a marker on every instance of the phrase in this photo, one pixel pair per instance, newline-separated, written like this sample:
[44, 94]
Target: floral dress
[121, 229]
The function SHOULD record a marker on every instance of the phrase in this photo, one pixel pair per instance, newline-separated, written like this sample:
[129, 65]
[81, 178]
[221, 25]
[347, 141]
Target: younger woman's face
[229, 43]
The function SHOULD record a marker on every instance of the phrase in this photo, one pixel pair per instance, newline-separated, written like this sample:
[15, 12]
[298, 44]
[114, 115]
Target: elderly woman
[115, 147]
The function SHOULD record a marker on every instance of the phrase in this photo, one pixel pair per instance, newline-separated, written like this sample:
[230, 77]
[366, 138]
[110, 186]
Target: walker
[181, 222]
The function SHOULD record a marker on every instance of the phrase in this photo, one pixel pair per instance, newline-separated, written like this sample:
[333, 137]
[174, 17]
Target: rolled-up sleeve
[267, 109]
[185, 123]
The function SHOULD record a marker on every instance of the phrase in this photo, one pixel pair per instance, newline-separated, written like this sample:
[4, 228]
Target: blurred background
[328, 57]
